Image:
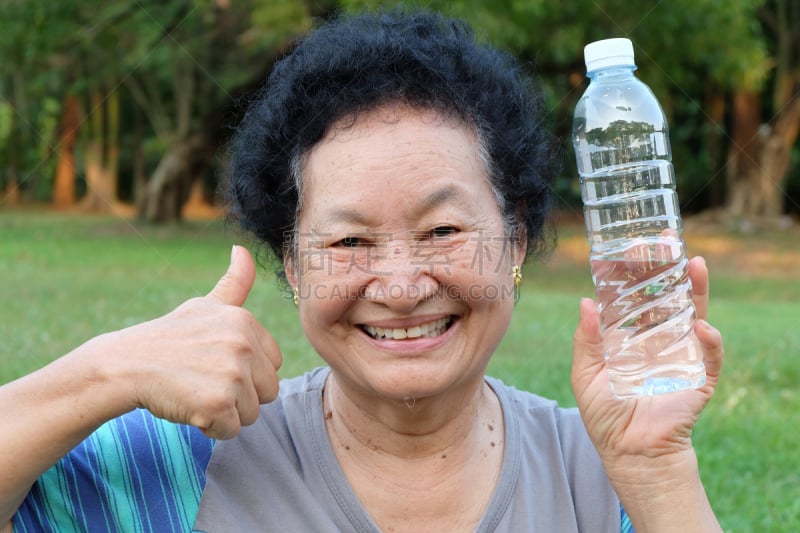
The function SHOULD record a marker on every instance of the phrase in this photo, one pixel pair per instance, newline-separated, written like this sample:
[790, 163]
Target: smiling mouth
[428, 329]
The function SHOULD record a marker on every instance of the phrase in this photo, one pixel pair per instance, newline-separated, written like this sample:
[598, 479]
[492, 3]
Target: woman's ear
[290, 266]
[519, 245]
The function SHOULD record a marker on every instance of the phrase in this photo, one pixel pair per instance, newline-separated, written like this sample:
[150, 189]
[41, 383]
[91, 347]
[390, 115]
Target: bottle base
[657, 381]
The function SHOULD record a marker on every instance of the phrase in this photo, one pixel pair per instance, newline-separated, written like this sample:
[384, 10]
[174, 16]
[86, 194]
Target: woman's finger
[248, 405]
[223, 425]
[698, 274]
[713, 352]
[588, 351]
[264, 368]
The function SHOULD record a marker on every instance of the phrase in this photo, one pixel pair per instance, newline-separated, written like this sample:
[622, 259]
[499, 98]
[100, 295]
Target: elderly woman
[400, 172]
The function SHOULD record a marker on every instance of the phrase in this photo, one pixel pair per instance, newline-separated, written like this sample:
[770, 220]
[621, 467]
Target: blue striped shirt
[136, 473]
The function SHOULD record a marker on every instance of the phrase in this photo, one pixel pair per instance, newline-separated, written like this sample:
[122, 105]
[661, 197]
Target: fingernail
[233, 252]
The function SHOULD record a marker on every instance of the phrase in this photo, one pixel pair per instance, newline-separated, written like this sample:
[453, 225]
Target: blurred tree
[27, 78]
[51, 50]
[761, 152]
[696, 55]
[158, 85]
[209, 55]
[64, 182]
[9, 191]
[178, 62]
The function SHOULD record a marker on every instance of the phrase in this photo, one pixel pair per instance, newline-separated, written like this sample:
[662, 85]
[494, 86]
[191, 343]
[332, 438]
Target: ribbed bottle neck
[608, 73]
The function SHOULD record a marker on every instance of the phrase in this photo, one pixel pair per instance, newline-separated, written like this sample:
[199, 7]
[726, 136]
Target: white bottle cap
[608, 53]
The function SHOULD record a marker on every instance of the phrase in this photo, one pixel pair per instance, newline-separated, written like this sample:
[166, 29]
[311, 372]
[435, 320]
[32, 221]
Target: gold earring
[517, 273]
[296, 298]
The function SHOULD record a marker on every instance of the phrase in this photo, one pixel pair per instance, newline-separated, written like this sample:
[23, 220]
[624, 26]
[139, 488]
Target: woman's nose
[401, 279]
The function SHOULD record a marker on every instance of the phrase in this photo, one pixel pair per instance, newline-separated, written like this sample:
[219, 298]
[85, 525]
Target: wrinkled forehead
[389, 149]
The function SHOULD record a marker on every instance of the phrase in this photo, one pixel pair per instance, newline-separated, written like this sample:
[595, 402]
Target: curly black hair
[360, 62]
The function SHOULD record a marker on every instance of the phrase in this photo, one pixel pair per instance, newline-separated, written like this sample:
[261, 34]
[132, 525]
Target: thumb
[235, 285]
[588, 351]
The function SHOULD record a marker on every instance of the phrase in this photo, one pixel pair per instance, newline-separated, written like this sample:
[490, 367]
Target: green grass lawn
[68, 278]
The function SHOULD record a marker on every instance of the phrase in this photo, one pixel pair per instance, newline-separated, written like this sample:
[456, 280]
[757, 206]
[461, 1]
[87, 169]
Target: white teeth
[429, 329]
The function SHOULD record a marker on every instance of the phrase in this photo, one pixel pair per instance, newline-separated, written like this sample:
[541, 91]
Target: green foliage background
[688, 51]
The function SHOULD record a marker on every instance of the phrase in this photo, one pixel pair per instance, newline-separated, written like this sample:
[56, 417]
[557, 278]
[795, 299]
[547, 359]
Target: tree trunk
[758, 166]
[139, 175]
[776, 157]
[715, 104]
[761, 153]
[745, 146]
[170, 184]
[17, 140]
[64, 183]
[102, 153]
[11, 194]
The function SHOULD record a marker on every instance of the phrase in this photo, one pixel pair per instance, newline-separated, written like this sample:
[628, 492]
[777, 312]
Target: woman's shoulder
[557, 454]
[312, 380]
[545, 425]
[542, 418]
[529, 402]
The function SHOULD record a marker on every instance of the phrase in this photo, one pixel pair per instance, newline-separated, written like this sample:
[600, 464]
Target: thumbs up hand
[235, 285]
[208, 363]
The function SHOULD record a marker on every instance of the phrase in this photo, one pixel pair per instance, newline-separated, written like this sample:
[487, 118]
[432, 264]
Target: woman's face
[403, 264]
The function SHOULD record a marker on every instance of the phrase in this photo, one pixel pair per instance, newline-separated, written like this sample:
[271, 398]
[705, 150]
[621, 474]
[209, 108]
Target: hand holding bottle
[645, 443]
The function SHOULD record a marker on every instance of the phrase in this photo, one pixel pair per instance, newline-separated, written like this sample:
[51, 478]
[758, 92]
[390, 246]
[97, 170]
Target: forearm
[47, 413]
[665, 495]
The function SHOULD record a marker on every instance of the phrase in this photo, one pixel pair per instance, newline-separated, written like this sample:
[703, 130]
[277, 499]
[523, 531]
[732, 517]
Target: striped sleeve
[625, 522]
[136, 473]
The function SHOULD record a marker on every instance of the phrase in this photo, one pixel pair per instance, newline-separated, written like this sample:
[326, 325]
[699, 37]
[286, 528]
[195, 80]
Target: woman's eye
[348, 242]
[442, 231]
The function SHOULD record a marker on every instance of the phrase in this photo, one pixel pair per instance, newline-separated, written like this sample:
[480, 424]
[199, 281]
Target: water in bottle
[633, 224]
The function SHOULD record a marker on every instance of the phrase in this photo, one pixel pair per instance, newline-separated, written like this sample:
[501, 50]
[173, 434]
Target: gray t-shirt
[281, 473]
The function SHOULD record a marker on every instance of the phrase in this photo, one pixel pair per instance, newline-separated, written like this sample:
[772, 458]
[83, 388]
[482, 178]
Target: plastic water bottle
[633, 224]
